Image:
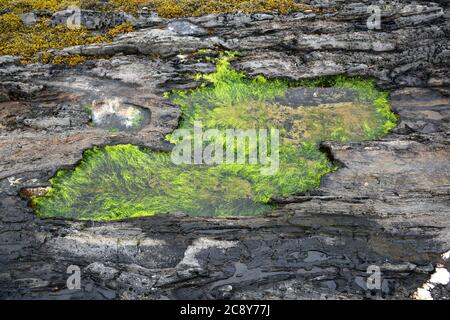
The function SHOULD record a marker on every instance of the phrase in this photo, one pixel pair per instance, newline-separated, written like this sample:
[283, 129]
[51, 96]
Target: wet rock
[329, 284]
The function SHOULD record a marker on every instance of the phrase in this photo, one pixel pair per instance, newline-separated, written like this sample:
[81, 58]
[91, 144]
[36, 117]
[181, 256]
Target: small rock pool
[117, 115]
[124, 181]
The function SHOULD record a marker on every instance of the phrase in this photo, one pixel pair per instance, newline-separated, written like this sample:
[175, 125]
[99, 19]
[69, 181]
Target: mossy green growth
[234, 101]
[26, 41]
[126, 181]
[32, 42]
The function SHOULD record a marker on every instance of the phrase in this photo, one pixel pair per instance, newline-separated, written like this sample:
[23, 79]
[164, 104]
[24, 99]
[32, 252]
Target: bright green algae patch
[127, 181]
[124, 181]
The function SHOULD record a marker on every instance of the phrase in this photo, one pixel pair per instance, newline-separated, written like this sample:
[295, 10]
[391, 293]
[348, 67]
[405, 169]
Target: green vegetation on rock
[28, 41]
[165, 8]
[117, 182]
[183, 8]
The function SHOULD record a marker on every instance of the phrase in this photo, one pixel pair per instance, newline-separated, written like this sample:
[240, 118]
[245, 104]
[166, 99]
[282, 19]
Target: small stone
[186, 28]
[29, 18]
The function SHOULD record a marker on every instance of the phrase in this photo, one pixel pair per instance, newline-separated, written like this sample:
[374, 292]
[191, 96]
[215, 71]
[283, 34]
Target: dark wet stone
[387, 202]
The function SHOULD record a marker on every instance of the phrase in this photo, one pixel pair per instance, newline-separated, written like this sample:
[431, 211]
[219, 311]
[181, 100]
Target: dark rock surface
[387, 205]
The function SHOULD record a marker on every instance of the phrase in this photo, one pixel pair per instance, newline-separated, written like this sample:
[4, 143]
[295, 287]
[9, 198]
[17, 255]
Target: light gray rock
[29, 18]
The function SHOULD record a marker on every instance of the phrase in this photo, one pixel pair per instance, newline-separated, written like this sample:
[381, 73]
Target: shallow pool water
[117, 115]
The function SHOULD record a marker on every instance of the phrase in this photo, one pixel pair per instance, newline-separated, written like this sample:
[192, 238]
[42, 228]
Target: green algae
[125, 181]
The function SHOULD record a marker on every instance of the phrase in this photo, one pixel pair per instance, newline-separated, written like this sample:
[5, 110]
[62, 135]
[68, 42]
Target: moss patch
[127, 181]
[120, 29]
[182, 8]
[165, 8]
[27, 41]
[20, 40]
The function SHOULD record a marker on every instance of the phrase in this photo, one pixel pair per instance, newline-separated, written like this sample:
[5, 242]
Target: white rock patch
[446, 256]
[441, 276]
[200, 244]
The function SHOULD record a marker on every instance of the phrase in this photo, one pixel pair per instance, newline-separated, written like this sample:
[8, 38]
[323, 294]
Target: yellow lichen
[125, 181]
[130, 5]
[165, 8]
[70, 60]
[120, 29]
[20, 40]
[19, 6]
[177, 8]
[182, 8]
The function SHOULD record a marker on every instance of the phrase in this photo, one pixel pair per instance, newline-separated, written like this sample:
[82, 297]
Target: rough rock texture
[387, 205]
[101, 20]
[92, 20]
